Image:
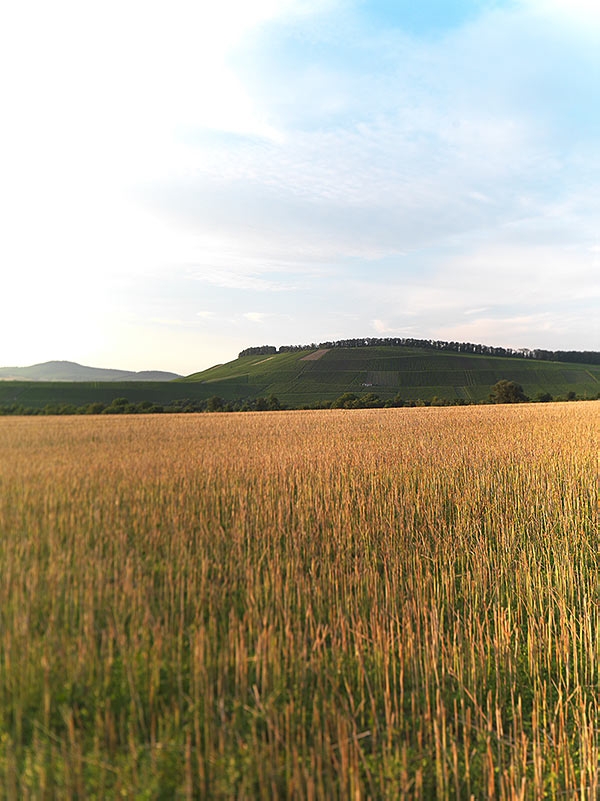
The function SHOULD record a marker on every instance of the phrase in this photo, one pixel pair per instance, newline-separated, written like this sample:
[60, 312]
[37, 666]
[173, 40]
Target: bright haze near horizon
[183, 180]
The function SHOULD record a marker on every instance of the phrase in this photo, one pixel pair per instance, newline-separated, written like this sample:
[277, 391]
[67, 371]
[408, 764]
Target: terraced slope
[387, 371]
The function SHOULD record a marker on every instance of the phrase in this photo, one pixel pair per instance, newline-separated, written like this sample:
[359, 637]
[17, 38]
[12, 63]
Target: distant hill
[319, 373]
[71, 371]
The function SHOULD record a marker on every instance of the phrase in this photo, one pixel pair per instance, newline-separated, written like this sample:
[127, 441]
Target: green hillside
[387, 371]
[37, 394]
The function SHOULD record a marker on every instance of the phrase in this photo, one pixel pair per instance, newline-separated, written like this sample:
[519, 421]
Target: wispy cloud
[255, 317]
[527, 330]
[231, 279]
[384, 329]
[426, 147]
[351, 166]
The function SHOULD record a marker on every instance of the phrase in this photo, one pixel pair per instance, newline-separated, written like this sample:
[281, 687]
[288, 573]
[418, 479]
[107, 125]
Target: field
[387, 370]
[37, 394]
[398, 603]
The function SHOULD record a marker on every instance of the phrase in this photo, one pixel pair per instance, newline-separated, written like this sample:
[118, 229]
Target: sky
[181, 180]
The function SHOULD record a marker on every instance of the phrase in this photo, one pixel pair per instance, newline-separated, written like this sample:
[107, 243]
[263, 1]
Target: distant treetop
[259, 351]
[581, 357]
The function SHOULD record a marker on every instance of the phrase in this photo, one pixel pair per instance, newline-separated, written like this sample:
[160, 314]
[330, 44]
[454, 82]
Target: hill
[71, 371]
[314, 374]
[305, 377]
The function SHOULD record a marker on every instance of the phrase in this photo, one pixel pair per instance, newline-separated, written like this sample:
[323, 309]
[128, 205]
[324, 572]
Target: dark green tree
[507, 392]
[369, 401]
[273, 403]
[215, 404]
[346, 401]
[95, 408]
[118, 406]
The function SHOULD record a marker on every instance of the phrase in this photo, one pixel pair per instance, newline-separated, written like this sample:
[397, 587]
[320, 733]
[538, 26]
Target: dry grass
[395, 603]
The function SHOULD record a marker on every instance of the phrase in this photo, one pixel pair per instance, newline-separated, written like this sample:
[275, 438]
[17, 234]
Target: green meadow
[387, 371]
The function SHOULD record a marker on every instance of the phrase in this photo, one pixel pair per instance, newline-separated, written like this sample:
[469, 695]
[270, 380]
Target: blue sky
[181, 181]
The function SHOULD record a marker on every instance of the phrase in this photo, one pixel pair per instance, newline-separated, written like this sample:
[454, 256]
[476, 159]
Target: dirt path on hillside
[316, 354]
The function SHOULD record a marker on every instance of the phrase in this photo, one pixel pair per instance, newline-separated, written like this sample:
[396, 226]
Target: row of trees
[502, 392]
[510, 392]
[124, 406]
[582, 357]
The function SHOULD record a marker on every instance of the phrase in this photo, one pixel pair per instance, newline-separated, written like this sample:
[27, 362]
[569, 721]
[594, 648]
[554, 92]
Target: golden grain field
[381, 604]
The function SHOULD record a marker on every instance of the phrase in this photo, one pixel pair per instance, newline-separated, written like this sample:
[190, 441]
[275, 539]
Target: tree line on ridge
[572, 356]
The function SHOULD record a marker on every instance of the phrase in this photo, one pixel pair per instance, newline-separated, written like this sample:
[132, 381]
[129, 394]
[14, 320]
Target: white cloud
[475, 311]
[384, 329]
[584, 13]
[95, 98]
[189, 143]
[232, 279]
[515, 331]
[465, 152]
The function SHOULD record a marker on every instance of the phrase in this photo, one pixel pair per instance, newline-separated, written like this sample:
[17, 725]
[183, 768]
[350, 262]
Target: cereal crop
[393, 603]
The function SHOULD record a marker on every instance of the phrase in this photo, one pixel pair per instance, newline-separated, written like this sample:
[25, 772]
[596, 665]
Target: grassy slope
[412, 372]
[37, 394]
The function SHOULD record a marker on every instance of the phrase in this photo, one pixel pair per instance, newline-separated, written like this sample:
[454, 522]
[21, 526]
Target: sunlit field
[381, 604]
